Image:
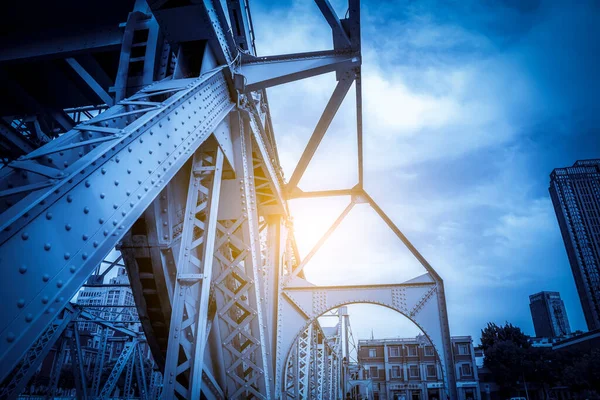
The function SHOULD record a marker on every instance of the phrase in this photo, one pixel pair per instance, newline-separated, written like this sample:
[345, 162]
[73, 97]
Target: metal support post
[77, 363]
[140, 372]
[57, 365]
[187, 336]
[128, 389]
[117, 370]
[240, 292]
[99, 366]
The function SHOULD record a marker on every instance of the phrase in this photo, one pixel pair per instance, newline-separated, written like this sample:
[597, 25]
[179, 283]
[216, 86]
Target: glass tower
[549, 315]
[575, 193]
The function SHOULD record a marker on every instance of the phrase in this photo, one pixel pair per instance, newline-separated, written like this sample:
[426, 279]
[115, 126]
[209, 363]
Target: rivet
[59, 284]
[116, 183]
[87, 184]
[95, 244]
[23, 269]
[105, 233]
[68, 227]
[47, 246]
[46, 277]
[69, 199]
[72, 268]
[45, 299]
[102, 195]
[84, 256]
[103, 170]
[10, 337]
[115, 206]
[86, 210]
[67, 256]
[29, 317]
[21, 303]
[84, 237]
[25, 236]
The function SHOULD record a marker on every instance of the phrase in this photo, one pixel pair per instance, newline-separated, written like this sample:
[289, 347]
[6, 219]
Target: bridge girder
[227, 296]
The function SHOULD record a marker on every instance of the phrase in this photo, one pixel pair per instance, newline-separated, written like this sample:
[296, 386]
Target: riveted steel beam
[263, 72]
[74, 222]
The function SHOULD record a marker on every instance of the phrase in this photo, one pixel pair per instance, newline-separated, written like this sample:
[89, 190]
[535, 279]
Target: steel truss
[183, 177]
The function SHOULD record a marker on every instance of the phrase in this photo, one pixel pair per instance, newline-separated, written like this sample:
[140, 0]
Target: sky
[467, 106]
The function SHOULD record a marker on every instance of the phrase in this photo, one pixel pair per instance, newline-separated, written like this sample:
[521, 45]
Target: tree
[511, 359]
[493, 334]
[506, 353]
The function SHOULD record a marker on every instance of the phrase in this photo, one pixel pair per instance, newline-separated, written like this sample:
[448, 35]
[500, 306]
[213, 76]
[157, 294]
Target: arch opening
[330, 344]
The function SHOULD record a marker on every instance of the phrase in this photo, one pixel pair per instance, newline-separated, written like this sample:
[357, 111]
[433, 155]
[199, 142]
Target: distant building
[549, 315]
[409, 369]
[583, 342]
[98, 297]
[575, 193]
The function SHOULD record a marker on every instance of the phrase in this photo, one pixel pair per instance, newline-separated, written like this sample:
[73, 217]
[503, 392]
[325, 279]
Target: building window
[395, 371]
[463, 349]
[372, 353]
[431, 371]
[376, 386]
[413, 371]
[412, 351]
[466, 370]
[429, 351]
[394, 352]
[373, 372]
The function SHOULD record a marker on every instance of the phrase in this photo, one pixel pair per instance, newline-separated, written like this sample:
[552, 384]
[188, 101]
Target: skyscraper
[575, 193]
[549, 314]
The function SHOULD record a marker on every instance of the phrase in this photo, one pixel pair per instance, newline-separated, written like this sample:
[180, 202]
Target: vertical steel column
[127, 390]
[99, 367]
[77, 363]
[320, 364]
[187, 335]
[141, 373]
[304, 351]
[314, 361]
[57, 366]
[240, 282]
[155, 386]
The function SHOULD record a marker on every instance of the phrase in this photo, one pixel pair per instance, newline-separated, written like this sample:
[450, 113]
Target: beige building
[409, 369]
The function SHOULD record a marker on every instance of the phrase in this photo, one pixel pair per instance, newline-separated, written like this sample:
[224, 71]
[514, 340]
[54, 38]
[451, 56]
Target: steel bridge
[145, 127]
